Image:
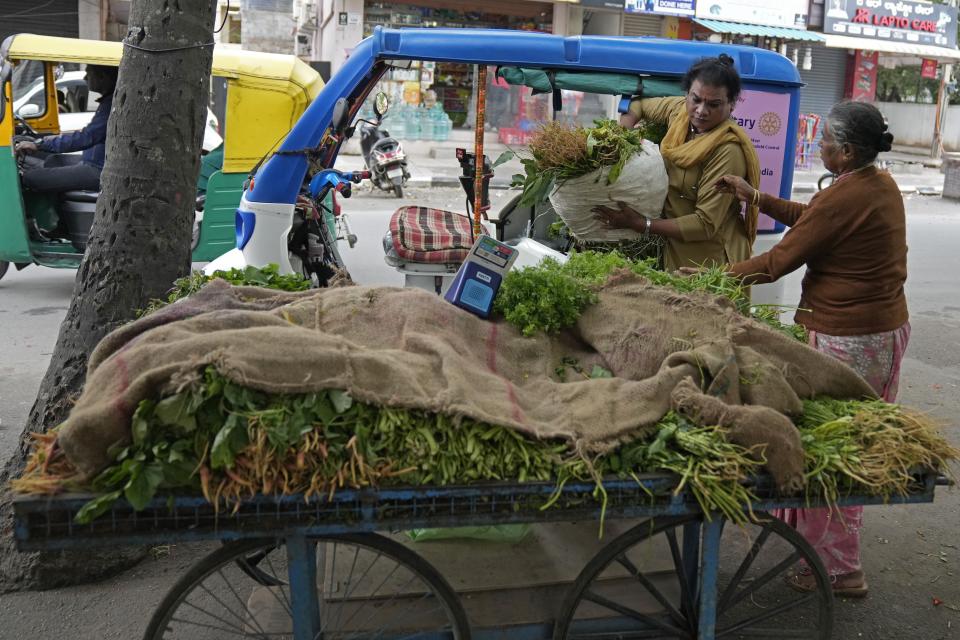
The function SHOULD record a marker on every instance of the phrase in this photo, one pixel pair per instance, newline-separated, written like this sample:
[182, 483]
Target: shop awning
[740, 29]
[890, 46]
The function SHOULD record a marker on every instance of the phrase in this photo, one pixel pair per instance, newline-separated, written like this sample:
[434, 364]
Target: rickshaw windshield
[431, 100]
[29, 88]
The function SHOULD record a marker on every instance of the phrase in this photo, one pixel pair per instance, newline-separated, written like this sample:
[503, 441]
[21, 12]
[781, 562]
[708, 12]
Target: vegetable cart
[335, 566]
[291, 568]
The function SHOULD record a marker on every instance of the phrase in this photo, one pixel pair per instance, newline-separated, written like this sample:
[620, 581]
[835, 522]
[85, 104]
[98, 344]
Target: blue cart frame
[48, 523]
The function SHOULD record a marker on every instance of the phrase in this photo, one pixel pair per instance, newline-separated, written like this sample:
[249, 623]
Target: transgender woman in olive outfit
[701, 225]
[852, 239]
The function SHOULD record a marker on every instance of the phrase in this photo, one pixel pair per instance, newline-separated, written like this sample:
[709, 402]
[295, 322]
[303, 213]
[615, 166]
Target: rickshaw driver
[54, 169]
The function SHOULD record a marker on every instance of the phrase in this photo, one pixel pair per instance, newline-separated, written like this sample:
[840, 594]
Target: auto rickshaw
[265, 95]
[611, 71]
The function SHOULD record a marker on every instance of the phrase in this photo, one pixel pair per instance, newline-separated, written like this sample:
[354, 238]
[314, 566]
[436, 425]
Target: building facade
[65, 18]
[837, 45]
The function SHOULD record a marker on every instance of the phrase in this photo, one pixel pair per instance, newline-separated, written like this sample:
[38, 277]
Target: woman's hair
[715, 72]
[862, 126]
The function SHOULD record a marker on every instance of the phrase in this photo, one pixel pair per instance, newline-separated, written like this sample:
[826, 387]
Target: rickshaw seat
[425, 235]
[77, 209]
[81, 196]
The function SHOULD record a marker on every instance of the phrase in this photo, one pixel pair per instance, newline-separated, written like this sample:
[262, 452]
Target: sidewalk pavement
[434, 164]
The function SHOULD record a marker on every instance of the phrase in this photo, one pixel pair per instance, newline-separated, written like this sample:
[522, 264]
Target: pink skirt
[835, 533]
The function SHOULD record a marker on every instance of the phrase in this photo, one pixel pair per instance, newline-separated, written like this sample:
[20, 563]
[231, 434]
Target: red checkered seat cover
[421, 234]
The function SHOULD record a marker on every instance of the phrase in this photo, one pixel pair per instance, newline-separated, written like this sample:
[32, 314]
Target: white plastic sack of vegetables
[642, 185]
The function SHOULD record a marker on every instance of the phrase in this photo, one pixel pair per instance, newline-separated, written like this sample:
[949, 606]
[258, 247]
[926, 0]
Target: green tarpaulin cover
[618, 84]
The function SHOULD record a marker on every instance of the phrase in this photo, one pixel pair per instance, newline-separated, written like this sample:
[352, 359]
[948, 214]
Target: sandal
[847, 585]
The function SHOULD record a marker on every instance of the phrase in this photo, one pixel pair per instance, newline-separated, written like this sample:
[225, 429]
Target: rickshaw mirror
[381, 105]
[341, 115]
[28, 110]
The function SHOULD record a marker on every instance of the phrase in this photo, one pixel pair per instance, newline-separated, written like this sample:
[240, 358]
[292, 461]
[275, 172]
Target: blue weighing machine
[480, 275]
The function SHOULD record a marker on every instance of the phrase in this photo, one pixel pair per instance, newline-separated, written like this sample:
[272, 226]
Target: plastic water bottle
[427, 123]
[395, 126]
[412, 118]
[446, 125]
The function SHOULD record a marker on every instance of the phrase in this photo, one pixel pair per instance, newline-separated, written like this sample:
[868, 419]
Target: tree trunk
[139, 243]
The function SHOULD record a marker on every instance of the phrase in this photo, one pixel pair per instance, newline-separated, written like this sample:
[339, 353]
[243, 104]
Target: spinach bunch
[268, 277]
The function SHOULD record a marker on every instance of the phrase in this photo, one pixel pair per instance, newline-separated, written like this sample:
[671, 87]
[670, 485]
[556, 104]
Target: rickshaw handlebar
[339, 181]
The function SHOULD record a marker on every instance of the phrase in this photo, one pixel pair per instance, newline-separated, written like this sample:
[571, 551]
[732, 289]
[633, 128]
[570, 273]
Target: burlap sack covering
[409, 348]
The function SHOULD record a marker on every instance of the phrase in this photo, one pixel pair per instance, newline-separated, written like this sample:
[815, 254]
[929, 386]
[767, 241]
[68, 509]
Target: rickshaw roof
[643, 55]
[251, 66]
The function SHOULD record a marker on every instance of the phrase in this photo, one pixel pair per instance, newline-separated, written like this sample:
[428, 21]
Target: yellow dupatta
[683, 153]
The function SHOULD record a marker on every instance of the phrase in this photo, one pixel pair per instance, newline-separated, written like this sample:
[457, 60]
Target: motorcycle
[384, 158]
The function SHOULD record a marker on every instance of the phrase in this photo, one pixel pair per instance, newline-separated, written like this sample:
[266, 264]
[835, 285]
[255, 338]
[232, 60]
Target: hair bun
[725, 60]
[886, 141]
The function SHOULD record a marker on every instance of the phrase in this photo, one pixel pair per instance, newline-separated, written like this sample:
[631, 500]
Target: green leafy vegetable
[228, 442]
[552, 296]
[268, 276]
[546, 298]
[560, 152]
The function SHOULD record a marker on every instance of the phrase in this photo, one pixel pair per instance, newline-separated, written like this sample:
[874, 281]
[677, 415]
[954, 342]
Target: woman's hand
[737, 186]
[628, 120]
[623, 217]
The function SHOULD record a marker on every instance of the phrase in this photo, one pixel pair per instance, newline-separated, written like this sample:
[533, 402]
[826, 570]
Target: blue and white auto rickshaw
[271, 213]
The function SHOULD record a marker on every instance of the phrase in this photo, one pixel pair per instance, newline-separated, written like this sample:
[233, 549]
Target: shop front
[52, 18]
[664, 18]
[602, 17]
[779, 26]
[908, 33]
[430, 91]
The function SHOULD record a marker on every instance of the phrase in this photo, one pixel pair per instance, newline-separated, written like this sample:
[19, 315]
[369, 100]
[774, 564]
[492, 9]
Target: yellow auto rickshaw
[42, 92]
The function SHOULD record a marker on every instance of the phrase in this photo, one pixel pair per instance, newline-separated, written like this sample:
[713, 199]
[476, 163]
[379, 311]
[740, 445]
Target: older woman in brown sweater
[852, 239]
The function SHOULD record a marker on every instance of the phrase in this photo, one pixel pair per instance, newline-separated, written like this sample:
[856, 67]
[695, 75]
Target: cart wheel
[614, 597]
[366, 586]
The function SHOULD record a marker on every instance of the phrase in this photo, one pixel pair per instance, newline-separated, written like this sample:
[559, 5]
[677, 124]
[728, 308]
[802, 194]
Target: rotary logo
[770, 124]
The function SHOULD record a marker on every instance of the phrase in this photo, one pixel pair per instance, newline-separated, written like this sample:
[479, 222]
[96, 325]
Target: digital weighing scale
[480, 275]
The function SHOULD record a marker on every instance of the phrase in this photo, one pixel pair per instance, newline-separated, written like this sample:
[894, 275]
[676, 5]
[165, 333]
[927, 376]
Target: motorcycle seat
[81, 196]
[425, 235]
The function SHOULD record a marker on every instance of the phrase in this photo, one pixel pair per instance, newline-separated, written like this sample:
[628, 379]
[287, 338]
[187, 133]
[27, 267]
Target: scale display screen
[493, 252]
